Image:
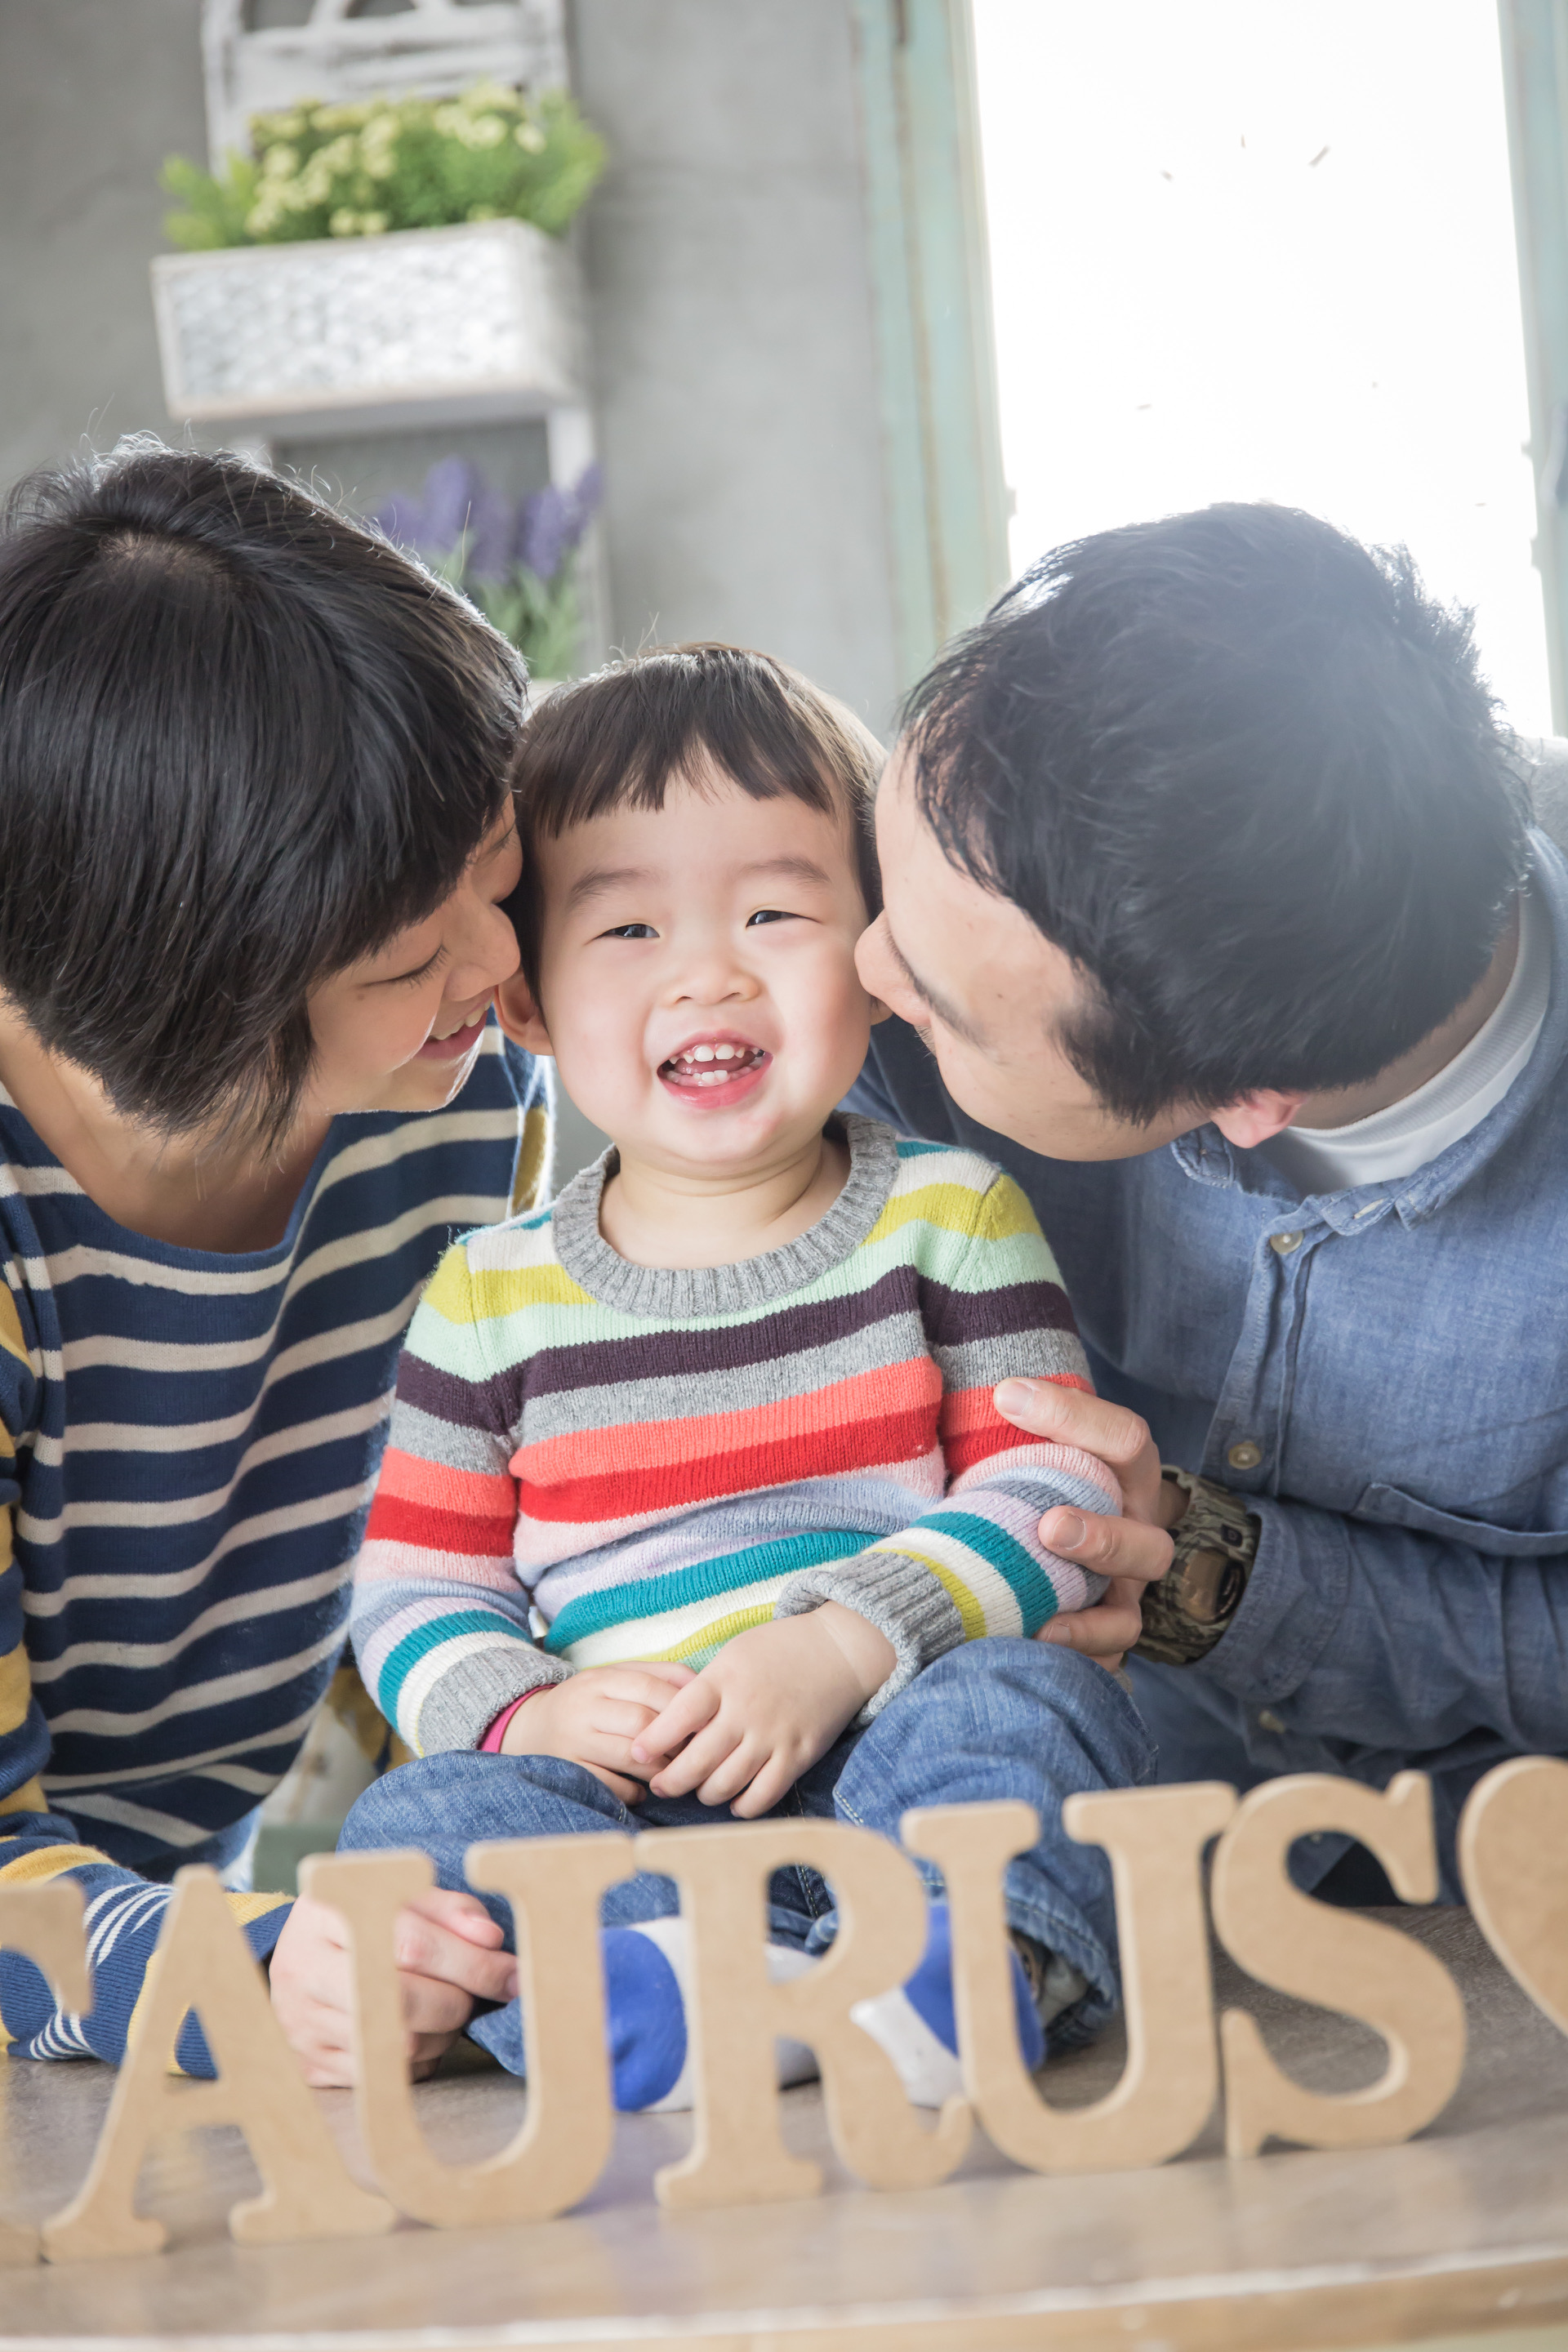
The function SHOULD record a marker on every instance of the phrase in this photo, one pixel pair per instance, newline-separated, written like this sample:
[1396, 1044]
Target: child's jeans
[994, 1718]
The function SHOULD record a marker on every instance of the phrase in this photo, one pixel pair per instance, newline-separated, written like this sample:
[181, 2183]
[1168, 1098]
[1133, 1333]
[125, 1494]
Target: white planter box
[429, 326]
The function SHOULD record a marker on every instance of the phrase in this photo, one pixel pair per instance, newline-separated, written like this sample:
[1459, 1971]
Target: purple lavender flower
[492, 534]
[402, 519]
[554, 521]
[452, 489]
[457, 506]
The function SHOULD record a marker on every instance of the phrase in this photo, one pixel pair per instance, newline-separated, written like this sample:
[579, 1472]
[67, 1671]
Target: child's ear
[520, 1016]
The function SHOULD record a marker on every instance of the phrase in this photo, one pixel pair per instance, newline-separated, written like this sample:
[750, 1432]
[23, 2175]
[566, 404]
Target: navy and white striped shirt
[187, 1444]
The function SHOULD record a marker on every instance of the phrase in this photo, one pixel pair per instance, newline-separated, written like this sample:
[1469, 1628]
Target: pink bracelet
[490, 1744]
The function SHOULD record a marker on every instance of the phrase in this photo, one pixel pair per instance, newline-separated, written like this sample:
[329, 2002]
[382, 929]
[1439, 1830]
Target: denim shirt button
[1285, 1243]
[1270, 1721]
[1246, 1456]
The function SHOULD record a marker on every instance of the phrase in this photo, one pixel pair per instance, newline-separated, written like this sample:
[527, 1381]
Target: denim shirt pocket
[1395, 1509]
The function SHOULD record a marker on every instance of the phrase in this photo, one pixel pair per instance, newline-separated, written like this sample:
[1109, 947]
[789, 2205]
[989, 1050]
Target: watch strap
[1192, 1606]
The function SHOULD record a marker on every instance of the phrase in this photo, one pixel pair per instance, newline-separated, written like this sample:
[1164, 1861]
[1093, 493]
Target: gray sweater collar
[679, 1291]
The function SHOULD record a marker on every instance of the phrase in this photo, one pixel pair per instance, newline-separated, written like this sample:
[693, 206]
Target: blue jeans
[1205, 1733]
[994, 1718]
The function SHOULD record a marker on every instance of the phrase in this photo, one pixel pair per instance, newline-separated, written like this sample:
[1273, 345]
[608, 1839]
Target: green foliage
[412, 163]
[539, 616]
[542, 617]
[215, 209]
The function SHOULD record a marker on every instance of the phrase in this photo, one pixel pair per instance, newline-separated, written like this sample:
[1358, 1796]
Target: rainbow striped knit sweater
[592, 1461]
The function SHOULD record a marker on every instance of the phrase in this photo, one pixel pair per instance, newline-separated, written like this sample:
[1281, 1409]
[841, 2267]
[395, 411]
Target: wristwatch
[1192, 1606]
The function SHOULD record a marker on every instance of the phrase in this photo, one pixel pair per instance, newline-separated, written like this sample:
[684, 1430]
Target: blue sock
[917, 2028]
[644, 2017]
[645, 2020]
[930, 1991]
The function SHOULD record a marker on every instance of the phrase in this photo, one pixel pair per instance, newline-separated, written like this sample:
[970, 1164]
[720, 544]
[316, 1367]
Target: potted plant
[389, 261]
[516, 557]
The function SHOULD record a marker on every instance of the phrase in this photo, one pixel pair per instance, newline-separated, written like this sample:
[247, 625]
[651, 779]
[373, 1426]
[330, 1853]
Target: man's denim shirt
[1397, 1355]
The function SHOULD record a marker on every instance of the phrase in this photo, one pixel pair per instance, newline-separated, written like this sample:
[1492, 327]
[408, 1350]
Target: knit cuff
[461, 1707]
[896, 1594]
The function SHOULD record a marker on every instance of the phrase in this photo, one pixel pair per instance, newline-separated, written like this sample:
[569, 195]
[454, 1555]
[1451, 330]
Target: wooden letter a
[203, 1962]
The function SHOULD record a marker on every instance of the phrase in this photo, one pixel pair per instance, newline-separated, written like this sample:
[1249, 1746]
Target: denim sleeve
[1381, 1636]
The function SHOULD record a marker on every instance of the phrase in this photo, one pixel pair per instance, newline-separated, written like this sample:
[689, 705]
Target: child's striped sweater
[592, 1461]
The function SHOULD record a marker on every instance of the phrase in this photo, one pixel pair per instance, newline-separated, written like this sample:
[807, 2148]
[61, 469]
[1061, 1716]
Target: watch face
[1206, 1581]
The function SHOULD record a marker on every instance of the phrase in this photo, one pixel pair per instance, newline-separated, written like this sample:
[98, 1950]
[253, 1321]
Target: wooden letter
[45, 1922]
[1513, 1859]
[204, 1963]
[554, 1885]
[1337, 1959]
[1155, 1838]
[737, 2157]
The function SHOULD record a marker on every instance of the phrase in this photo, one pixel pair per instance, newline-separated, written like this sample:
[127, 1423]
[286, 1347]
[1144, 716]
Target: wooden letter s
[1342, 1961]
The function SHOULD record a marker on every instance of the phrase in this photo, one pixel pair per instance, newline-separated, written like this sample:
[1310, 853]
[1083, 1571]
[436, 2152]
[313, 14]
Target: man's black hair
[619, 739]
[1248, 776]
[243, 742]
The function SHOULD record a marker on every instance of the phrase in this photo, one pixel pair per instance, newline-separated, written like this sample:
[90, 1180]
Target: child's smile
[715, 1070]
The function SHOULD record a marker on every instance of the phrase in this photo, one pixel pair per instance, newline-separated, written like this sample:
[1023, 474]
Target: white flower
[530, 137]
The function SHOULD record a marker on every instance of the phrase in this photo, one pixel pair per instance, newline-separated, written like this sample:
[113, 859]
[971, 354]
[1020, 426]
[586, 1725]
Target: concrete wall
[93, 95]
[731, 305]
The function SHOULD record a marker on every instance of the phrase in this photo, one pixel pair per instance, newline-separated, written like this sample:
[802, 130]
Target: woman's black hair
[619, 739]
[243, 743]
[1246, 774]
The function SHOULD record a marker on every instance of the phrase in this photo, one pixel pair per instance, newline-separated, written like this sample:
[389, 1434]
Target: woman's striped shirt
[593, 1462]
[187, 1443]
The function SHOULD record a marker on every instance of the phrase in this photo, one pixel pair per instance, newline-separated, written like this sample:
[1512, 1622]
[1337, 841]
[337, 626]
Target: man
[1212, 891]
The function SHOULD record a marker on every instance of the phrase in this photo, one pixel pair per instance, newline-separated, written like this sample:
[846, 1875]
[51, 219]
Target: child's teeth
[687, 1065]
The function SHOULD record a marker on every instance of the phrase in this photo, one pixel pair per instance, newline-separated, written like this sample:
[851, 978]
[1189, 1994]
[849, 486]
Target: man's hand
[1134, 1550]
[762, 1712]
[448, 1954]
[593, 1718]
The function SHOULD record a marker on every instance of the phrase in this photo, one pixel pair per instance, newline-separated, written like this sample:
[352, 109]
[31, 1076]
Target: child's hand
[773, 1701]
[591, 1719]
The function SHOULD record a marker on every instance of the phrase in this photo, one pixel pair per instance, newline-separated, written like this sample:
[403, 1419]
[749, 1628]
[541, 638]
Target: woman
[254, 835]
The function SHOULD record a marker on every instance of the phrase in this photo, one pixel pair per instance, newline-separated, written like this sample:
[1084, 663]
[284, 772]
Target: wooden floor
[1460, 2233]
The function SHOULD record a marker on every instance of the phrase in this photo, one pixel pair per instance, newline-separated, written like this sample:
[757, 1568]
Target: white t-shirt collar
[1409, 1134]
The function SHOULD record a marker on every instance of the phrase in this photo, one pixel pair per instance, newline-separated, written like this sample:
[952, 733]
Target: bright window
[1264, 249]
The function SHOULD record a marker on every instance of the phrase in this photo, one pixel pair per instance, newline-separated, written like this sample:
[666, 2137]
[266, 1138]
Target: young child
[696, 1498]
